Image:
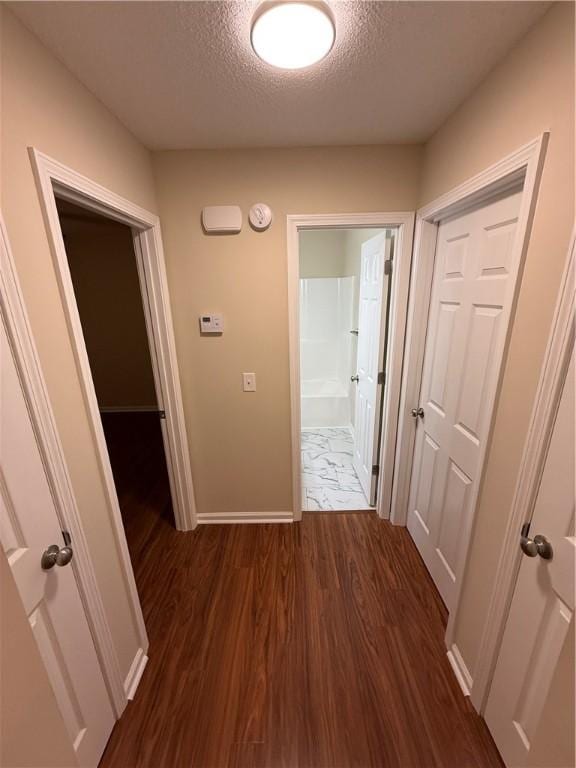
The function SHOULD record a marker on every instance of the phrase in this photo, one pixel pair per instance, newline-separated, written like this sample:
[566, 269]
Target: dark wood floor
[314, 645]
[136, 451]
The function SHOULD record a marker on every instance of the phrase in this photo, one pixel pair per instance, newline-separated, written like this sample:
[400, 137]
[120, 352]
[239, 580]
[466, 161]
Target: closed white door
[472, 292]
[371, 339]
[530, 709]
[28, 526]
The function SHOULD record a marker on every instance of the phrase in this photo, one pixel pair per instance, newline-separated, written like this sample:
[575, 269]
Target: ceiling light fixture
[292, 35]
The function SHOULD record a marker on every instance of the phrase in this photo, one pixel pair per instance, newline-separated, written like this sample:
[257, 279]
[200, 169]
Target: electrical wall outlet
[249, 382]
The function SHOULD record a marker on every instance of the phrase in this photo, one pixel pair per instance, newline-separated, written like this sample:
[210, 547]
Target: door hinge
[375, 469]
[388, 267]
[381, 377]
[162, 414]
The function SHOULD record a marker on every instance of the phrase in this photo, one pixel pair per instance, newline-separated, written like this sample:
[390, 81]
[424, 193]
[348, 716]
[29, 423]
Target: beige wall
[333, 252]
[105, 277]
[322, 253]
[32, 732]
[240, 442]
[531, 91]
[45, 107]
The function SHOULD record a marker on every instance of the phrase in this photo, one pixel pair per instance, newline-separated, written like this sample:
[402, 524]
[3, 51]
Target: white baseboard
[245, 517]
[460, 670]
[128, 408]
[135, 674]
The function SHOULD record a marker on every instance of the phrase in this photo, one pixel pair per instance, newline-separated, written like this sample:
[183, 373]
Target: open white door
[530, 709]
[472, 291]
[28, 526]
[371, 341]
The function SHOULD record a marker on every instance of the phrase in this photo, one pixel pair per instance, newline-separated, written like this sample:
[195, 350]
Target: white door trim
[51, 177]
[404, 222]
[548, 394]
[28, 366]
[524, 165]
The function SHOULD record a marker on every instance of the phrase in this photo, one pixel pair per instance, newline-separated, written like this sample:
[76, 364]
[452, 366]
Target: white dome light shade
[293, 35]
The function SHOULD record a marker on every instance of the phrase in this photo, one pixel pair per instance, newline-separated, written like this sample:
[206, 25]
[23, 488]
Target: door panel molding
[461, 367]
[404, 223]
[32, 380]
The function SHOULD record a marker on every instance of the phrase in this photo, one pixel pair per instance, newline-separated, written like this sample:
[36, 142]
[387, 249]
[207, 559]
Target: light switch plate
[249, 382]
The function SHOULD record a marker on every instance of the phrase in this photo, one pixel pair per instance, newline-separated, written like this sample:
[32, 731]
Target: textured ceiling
[182, 74]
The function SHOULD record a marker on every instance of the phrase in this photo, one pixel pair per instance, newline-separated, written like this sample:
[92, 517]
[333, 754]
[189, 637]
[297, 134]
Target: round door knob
[355, 378]
[56, 555]
[417, 412]
[543, 546]
[538, 546]
[528, 546]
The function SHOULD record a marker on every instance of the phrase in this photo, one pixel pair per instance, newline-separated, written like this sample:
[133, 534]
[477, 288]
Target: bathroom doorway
[324, 391]
[344, 281]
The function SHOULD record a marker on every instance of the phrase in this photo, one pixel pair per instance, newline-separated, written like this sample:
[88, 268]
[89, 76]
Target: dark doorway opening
[110, 302]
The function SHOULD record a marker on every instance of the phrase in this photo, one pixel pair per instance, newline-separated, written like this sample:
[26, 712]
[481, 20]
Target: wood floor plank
[314, 645]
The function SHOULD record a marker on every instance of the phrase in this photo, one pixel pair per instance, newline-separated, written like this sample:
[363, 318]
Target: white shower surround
[326, 319]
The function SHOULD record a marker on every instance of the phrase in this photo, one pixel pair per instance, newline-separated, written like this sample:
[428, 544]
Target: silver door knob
[355, 378]
[539, 545]
[56, 555]
[417, 412]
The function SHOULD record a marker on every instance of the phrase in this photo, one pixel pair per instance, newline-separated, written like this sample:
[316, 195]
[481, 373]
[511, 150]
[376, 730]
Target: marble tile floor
[329, 481]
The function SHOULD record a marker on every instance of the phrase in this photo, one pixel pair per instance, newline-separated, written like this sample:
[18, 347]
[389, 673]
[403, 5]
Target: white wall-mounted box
[222, 219]
[211, 324]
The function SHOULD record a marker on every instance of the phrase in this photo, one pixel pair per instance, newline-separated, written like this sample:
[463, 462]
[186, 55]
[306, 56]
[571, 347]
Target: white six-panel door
[471, 293]
[28, 525]
[371, 338]
[533, 683]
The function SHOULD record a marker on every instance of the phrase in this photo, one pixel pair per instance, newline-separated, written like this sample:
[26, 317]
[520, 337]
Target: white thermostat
[260, 216]
[211, 324]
